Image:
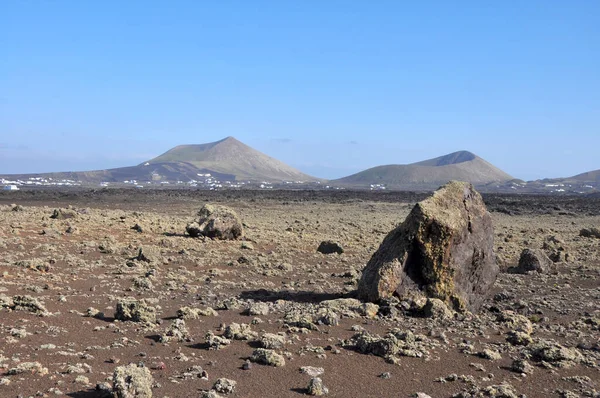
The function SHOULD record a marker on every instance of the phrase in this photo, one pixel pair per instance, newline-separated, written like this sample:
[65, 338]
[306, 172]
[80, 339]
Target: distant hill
[590, 176]
[427, 174]
[232, 157]
[225, 160]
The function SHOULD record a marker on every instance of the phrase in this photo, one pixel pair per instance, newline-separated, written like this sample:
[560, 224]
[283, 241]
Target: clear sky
[330, 87]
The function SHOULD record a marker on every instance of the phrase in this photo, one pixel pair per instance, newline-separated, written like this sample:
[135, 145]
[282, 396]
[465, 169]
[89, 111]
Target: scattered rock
[63, 214]
[521, 366]
[225, 386]
[29, 304]
[316, 387]
[132, 381]
[532, 260]
[215, 342]
[444, 249]
[351, 308]
[28, 367]
[267, 357]
[195, 313]
[239, 331]
[554, 353]
[258, 309]
[330, 247]
[135, 311]
[176, 331]
[555, 249]
[590, 233]
[272, 341]
[437, 309]
[148, 254]
[312, 371]
[396, 342]
[495, 391]
[217, 222]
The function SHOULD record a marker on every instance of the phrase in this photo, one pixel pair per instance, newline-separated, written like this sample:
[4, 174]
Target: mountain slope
[225, 160]
[590, 176]
[230, 156]
[462, 166]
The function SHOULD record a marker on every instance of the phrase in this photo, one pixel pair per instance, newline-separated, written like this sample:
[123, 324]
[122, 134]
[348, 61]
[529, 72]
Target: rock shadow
[296, 296]
[88, 394]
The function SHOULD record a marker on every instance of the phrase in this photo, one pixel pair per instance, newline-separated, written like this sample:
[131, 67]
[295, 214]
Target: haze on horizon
[331, 88]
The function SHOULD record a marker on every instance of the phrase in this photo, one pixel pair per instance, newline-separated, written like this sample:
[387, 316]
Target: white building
[11, 188]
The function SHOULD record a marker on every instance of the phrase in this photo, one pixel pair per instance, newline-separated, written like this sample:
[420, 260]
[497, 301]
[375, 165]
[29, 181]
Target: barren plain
[208, 307]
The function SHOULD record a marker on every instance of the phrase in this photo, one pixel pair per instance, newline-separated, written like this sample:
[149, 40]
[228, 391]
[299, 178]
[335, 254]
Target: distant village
[203, 181]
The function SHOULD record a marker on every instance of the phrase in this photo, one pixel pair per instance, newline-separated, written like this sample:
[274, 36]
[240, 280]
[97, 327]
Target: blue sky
[330, 87]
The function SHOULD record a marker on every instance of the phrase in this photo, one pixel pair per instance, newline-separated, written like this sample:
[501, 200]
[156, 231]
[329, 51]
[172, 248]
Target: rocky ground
[91, 282]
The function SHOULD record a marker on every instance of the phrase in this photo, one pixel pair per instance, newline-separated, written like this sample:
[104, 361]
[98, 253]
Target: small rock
[330, 247]
[590, 233]
[132, 381]
[316, 387]
[267, 357]
[225, 386]
[312, 371]
[532, 260]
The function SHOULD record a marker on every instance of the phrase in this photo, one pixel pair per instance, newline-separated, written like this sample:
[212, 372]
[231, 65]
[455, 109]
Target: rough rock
[28, 367]
[63, 214]
[437, 309]
[532, 260]
[444, 250]
[396, 342]
[177, 330]
[351, 308]
[217, 222]
[215, 342]
[225, 386]
[590, 233]
[148, 254]
[554, 353]
[135, 311]
[259, 309]
[267, 357]
[132, 381]
[330, 247]
[555, 249]
[239, 331]
[29, 304]
[521, 366]
[272, 341]
[316, 387]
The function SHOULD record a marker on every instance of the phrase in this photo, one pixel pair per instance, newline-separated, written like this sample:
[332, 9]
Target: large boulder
[443, 250]
[216, 222]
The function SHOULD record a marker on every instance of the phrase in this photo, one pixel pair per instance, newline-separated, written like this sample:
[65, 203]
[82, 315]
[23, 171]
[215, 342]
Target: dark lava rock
[217, 222]
[532, 260]
[444, 250]
[590, 233]
[330, 247]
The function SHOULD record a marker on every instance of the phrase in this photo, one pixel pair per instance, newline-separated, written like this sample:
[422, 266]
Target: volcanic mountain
[231, 157]
[461, 166]
[226, 160]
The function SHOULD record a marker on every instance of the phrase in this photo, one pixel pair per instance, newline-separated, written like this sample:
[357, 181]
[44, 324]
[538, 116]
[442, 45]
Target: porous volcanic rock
[132, 381]
[218, 222]
[444, 250]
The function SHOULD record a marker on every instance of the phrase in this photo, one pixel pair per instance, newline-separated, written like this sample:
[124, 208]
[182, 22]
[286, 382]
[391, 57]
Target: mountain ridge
[460, 165]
